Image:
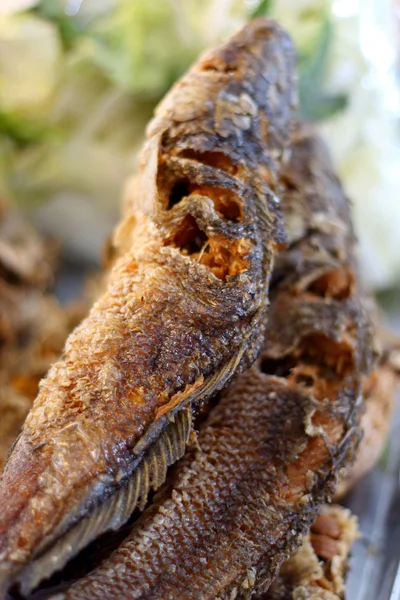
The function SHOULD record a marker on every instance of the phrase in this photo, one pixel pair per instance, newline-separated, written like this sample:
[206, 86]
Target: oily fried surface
[186, 297]
[36, 338]
[270, 451]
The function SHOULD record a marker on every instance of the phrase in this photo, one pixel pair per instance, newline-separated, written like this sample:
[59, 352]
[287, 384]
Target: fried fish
[184, 309]
[270, 452]
[318, 569]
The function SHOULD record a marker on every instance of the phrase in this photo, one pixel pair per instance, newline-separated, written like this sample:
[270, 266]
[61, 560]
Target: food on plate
[184, 309]
[270, 451]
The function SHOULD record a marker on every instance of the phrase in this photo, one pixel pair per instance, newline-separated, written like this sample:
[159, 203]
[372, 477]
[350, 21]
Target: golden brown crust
[36, 339]
[13, 409]
[270, 451]
[186, 298]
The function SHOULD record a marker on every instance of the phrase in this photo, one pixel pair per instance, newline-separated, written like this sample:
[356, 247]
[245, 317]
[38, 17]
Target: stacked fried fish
[215, 390]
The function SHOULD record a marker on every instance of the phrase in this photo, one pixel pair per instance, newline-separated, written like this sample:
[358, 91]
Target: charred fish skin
[183, 310]
[271, 450]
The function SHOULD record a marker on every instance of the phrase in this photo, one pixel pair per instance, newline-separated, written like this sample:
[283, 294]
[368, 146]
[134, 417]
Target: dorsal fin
[116, 509]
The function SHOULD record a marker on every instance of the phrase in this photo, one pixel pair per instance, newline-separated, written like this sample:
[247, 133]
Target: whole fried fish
[183, 311]
[271, 450]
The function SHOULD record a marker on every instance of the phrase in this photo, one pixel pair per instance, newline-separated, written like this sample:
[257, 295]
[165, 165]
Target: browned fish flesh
[317, 571]
[183, 311]
[39, 338]
[270, 451]
[379, 389]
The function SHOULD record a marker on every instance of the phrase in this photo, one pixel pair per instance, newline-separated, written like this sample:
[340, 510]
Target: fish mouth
[107, 505]
[107, 501]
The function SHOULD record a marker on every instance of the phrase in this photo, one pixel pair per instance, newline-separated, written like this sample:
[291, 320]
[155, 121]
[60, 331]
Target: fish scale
[269, 453]
[183, 310]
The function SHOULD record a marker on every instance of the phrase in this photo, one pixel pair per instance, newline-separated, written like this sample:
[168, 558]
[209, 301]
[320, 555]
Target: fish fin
[116, 509]
[162, 445]
[215, 383]
[194, 397]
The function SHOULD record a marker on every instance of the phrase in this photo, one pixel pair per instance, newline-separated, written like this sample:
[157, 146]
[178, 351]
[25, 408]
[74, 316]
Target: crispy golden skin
[38, 328]
[270, 451]
[183, 311]
[317, 571]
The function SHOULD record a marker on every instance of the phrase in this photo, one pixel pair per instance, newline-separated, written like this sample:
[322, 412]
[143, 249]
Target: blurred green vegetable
[30, 59]
[141, 47]
[79, 80]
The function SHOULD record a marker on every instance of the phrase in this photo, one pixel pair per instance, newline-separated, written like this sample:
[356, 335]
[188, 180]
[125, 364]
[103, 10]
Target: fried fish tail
[183, 310]
[270, 451]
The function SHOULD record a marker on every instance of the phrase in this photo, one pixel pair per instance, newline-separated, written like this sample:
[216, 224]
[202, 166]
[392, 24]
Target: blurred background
[79, 79]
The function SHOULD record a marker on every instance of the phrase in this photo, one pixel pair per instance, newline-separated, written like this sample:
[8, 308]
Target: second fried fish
[270, 452]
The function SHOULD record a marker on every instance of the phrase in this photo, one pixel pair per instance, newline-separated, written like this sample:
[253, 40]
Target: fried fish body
[183, 311]
[270, 451]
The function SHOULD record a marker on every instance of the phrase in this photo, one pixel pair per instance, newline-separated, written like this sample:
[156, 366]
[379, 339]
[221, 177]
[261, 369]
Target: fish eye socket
[180, 190]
